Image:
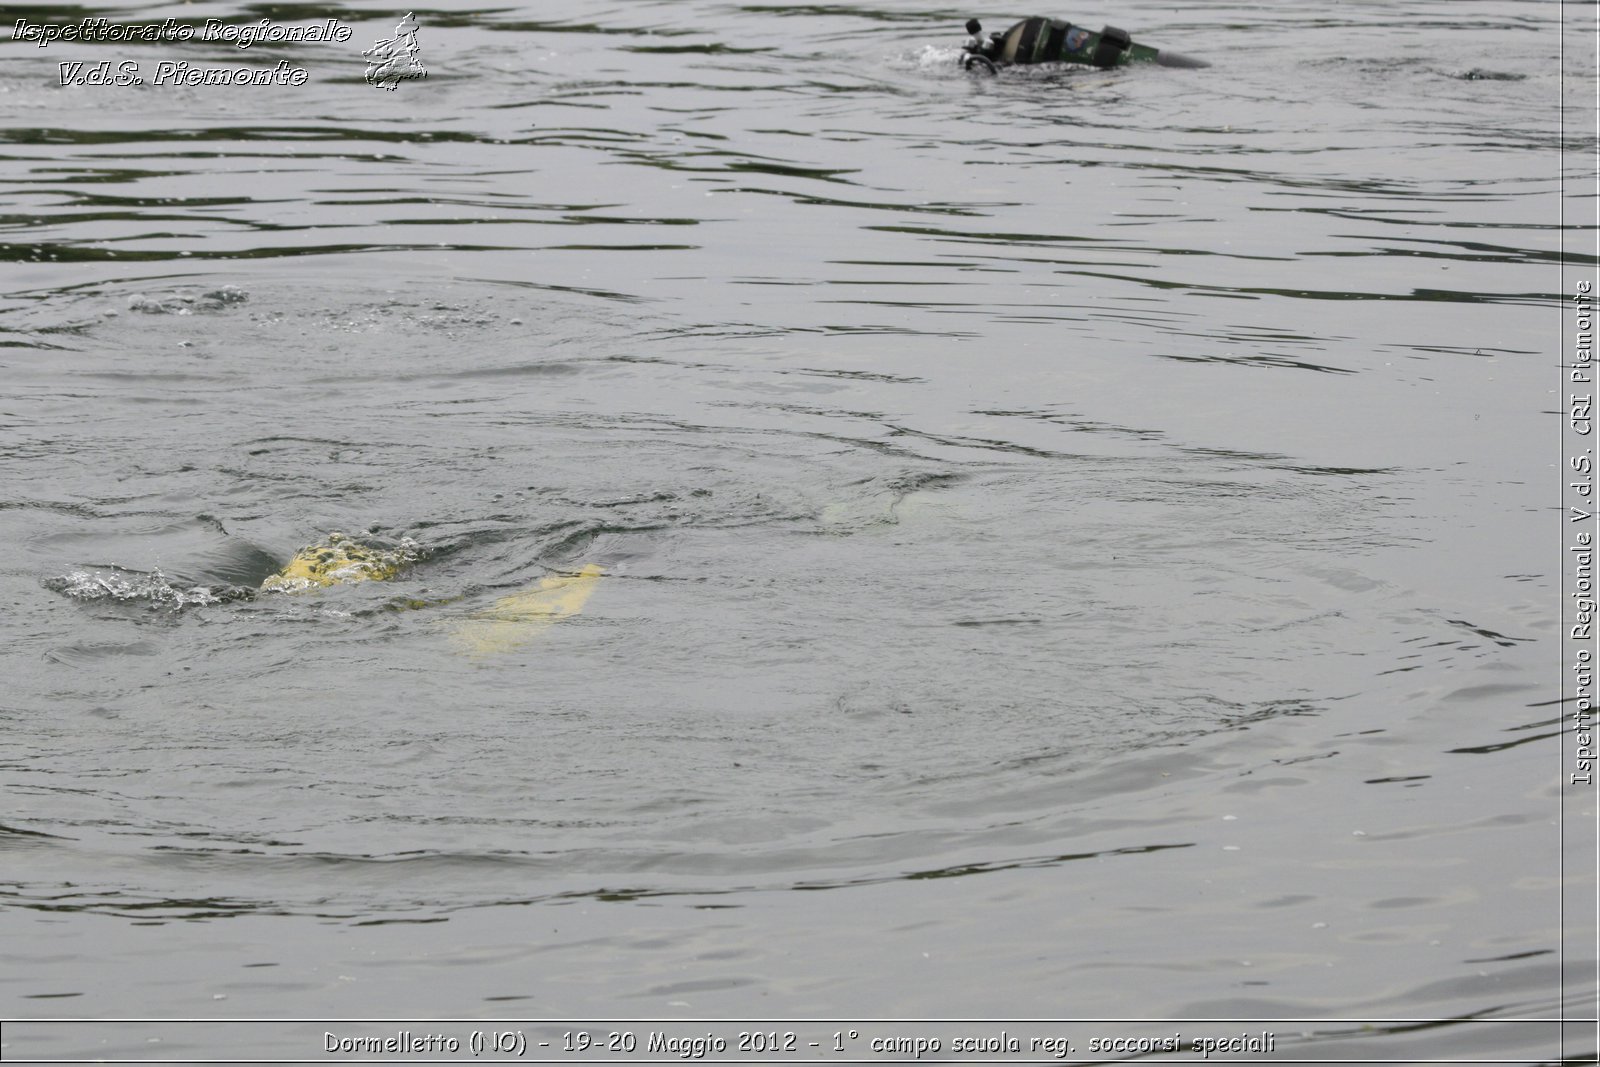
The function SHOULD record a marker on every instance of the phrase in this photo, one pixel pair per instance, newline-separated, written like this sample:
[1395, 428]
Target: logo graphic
[392, 61]
[1075, 38]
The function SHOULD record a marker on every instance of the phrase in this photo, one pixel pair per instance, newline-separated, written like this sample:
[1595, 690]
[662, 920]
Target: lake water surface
[1074, 545]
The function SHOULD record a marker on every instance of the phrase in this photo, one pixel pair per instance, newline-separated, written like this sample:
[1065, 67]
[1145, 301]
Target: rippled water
[1127, 492]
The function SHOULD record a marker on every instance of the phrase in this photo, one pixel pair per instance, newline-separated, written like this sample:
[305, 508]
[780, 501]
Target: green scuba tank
[1042, 40]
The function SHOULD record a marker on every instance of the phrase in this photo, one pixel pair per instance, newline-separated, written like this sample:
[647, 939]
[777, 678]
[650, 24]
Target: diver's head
[976, 45]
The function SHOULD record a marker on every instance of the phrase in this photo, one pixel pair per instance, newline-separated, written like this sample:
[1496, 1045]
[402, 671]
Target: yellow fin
[514, 620]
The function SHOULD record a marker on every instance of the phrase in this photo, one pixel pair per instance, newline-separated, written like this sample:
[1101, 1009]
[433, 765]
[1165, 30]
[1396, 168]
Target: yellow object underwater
[503, 626]
[339, 559]
[513, 620]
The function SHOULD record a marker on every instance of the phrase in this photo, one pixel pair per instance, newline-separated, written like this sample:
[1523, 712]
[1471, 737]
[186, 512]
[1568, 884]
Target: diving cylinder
[1042, 40]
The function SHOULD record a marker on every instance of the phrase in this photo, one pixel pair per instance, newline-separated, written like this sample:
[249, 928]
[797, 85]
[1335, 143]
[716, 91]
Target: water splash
[153, 588]
[936, 57]
[184, 304]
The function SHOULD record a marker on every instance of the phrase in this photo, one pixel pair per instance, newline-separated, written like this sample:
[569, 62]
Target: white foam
[153, 587]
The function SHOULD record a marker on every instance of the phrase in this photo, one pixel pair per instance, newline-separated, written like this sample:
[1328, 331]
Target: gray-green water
[1076, 544]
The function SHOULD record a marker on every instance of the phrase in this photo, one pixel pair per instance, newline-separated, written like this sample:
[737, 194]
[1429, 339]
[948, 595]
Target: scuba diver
[1042, 40]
